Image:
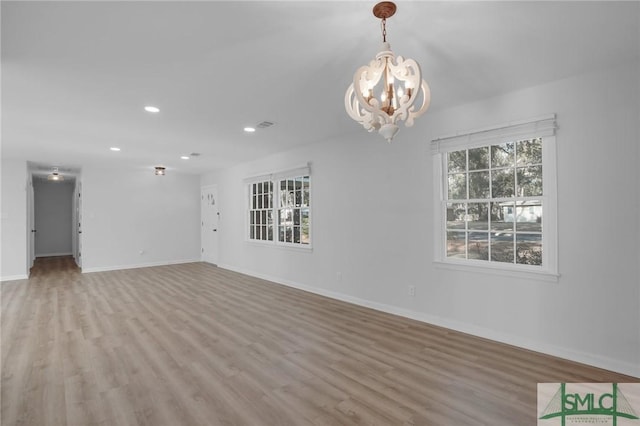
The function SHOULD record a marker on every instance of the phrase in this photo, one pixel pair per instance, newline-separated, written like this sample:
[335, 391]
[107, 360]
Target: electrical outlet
[412, 290]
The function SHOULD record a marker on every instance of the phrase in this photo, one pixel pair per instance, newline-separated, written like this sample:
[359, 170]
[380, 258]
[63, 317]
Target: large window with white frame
[280, 208]
[496, 192]
[261, 211]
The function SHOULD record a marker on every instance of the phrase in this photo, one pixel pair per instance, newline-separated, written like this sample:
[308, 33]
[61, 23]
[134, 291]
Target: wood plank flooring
[197, 345]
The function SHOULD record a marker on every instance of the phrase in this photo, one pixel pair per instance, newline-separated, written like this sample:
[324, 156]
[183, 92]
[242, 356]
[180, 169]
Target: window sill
[285, 246]
[503, 270]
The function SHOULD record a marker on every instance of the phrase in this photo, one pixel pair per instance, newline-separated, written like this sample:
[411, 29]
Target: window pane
[270, 233]
[254, 203]
[296, 234]
[252, 232]
[457, 161]
[263, 232]
[529, 217]
[479, 184]
[529, 181]
[479, 158]
[478, 246]
[456, 244]
[296, 216]
[283, 197]
[288, 234]
[259, 188]
[304, 237]
[502, 155]
[502, 247]
[305, 191]
[457, 186]
[503, 183]
[298, 183]
[298, 198]
[529, 151]
[502, 216]
[455, 216]
[529, 249]
[478, 216]
[270, 217]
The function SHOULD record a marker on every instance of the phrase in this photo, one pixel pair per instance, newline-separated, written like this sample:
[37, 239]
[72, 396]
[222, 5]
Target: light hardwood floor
[196, 345]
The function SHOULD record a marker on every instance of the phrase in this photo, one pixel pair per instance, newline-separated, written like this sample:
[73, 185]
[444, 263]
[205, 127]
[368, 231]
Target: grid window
[293, 210]
[494, 203]
[261, 211]
[280, 210]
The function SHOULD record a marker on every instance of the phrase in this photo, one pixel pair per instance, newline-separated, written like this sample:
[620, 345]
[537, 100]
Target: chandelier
[386, 91]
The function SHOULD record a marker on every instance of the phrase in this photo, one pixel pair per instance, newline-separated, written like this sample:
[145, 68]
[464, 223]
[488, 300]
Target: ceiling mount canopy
[389, 89]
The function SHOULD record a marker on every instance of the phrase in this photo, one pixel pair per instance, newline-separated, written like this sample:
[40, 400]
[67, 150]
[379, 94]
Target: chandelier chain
[384, 30]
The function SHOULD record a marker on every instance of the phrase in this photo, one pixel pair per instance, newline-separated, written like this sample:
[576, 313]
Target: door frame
[31, 225]
[77, 223]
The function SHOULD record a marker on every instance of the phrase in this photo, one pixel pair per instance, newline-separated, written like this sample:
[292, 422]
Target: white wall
[14, 220]
[53, 215]
[373, 223]
[132, 218]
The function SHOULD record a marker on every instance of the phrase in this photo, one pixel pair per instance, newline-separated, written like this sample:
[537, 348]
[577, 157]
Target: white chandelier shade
[388, 90]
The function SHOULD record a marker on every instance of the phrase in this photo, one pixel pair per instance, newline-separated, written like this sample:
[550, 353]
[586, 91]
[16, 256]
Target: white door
[209, 220]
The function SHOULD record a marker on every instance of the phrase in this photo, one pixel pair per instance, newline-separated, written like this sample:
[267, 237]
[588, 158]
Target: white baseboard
[53, 254]
[510, 339]
[136, 266]
[14, 277]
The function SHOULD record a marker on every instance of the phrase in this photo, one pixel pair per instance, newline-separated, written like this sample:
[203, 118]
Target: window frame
[541, 127]
[275, 180]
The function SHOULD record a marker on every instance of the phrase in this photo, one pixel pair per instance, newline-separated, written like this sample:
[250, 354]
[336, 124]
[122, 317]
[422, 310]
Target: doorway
[209, 222]
[52, 217]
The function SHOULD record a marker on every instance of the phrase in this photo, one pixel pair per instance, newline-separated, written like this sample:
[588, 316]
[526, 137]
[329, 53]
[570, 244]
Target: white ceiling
[76, 75]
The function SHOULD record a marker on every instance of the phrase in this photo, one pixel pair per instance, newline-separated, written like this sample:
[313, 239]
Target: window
[293, 210]
[261, 211]
[497, 202]
[280, 208]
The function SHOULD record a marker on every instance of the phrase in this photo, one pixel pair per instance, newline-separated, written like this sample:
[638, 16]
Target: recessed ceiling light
[185, 157]
[249, 129]
[114, 148]
[150, 108]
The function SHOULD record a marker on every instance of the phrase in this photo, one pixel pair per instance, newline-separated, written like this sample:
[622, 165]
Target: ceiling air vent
[194, 154]
[264, 125]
